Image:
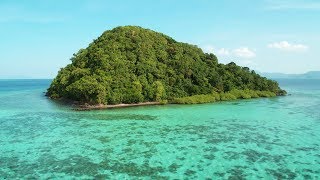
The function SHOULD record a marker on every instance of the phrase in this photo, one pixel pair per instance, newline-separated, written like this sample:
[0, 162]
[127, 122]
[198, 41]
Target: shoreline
[102, 106]
[195, 99]
[86, 107]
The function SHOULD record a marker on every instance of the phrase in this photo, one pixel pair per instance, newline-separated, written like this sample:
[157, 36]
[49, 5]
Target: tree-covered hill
[131, 64]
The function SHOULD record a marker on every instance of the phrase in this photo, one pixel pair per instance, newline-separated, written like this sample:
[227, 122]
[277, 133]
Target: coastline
[102, 106]
[195, 99]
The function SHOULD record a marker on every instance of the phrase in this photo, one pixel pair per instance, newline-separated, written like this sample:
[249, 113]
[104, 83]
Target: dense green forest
[131, 64]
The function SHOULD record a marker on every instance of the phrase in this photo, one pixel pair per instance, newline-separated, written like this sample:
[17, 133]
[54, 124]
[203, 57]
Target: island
[132, 66]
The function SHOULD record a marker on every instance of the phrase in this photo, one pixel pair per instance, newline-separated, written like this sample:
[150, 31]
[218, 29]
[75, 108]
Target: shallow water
[271, 138]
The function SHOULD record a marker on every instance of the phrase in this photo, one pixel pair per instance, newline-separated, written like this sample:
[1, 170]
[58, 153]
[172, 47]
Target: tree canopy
[130, 64]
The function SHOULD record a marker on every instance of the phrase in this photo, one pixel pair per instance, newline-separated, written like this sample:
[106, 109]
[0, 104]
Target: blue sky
[38, 37]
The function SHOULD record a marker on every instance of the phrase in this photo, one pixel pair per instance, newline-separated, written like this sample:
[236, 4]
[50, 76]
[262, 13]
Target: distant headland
[131, 66]
[307, 75]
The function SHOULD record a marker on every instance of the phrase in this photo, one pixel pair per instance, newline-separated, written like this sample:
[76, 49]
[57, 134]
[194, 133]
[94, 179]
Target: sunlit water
[271, 138]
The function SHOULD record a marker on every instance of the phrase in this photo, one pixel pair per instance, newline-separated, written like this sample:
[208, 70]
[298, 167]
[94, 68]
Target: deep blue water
[267, 138]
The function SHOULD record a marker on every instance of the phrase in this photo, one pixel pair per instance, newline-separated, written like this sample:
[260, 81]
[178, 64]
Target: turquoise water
[275, 138]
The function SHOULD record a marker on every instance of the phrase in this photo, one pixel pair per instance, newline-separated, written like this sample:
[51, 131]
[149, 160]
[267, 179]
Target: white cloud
[216, 51]
[244, 52]
[293, 5]
[286, 46]
[223, 52]
[242, 56]
[208, 49]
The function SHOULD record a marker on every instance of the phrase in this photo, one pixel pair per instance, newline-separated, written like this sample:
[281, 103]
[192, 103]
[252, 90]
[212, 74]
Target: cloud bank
[286, 46]
[241, 52]
[244, 52]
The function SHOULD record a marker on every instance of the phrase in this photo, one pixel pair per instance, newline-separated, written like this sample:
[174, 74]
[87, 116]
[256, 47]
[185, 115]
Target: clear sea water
[268, 138]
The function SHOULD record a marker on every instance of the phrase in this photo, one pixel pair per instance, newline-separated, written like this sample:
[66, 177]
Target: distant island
[130, 65]
[308, 75]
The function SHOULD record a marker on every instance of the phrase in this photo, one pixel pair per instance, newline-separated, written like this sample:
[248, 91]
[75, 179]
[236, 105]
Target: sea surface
[267, 138]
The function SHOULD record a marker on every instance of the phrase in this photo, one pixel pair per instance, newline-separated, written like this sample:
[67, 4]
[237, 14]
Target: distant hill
[308, 75]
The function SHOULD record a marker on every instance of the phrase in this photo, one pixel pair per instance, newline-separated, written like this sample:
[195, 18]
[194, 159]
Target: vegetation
[131, 64]
[196, 99]
[223, 96]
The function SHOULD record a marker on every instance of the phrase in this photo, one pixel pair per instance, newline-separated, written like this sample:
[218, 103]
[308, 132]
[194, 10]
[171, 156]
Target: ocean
[266, 138]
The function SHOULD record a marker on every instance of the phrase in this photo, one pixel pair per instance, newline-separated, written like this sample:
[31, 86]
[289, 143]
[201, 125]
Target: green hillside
[131, 64]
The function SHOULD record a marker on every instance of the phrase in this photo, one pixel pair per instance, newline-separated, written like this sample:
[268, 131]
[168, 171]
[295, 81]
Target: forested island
[132, 65]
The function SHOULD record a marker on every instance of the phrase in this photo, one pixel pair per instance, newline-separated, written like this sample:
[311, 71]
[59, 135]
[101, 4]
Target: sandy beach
[102, 106]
